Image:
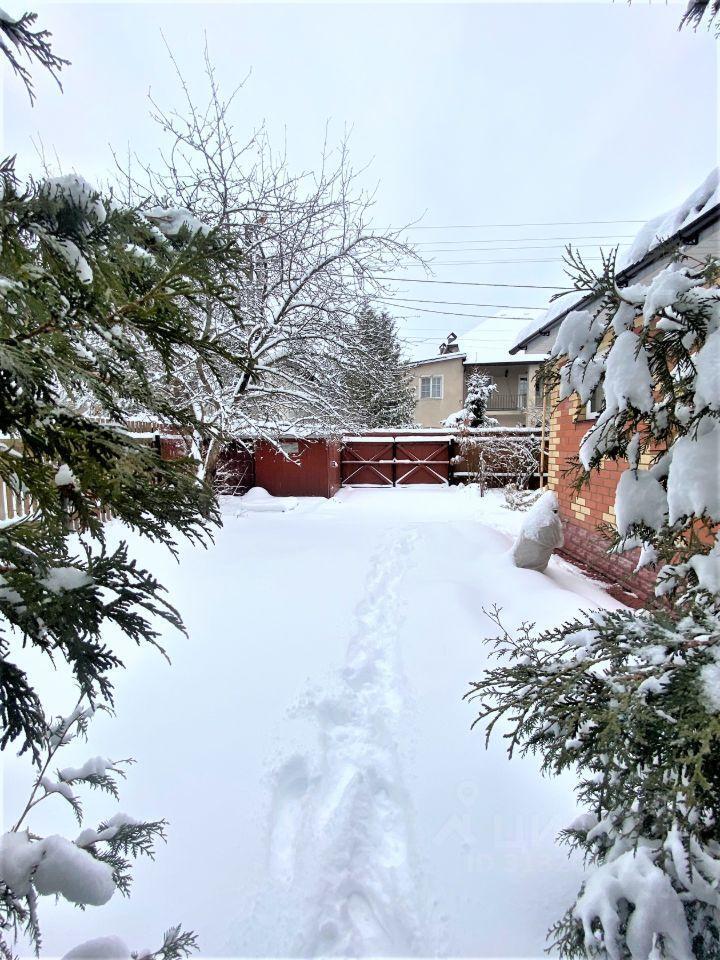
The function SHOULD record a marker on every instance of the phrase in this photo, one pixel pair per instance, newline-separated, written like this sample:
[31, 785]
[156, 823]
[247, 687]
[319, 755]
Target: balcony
[507, 402]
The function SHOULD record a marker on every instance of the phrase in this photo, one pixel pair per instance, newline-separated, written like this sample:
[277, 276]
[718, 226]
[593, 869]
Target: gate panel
[368, 462]
[422, 460]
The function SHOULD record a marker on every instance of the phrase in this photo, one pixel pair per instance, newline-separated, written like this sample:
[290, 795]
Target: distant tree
[313, 260]
[375, 384]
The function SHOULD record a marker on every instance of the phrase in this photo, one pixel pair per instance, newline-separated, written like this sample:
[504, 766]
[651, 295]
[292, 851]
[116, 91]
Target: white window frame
[432, 380]
[590, 412]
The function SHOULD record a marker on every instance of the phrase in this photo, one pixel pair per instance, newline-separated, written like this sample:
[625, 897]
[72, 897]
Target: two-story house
[440, 382]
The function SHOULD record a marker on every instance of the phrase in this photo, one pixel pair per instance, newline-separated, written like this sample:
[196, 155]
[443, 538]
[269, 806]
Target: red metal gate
[422, 460]
[369, 461]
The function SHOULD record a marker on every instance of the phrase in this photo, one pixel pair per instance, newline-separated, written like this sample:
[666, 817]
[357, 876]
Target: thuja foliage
[631, 701]
[87, 871]
[89, 294]
[21, 41]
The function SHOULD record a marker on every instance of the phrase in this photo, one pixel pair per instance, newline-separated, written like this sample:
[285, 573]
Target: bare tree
[313, 261]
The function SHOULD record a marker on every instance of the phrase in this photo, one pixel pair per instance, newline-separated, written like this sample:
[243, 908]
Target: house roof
[657, 238]
[505, 359]
[490, 341]
[440, 358]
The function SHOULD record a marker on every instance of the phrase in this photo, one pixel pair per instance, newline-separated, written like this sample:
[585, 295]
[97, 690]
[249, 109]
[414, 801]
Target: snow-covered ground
[310, 747]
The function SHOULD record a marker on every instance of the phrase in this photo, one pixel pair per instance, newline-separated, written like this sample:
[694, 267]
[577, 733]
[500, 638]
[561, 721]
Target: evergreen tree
[93, 297]
[700, 12]
[18, 39]
[90, 295]
[374, 382]
[473, 415]
[86, 871]
[631, 701]
[479, 389]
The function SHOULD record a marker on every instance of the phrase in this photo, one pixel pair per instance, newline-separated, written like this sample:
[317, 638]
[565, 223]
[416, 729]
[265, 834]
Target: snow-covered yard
[310, 747]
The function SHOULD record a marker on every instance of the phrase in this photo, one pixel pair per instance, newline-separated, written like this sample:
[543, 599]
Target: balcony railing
[507, 401]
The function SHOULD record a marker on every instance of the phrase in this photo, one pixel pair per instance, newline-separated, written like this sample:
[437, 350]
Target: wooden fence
[15, 506]
[496, 456]
[505, 458]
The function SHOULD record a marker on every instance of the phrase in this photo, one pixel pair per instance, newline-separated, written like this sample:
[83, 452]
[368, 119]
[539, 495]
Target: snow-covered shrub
[176, 944]
[86, 871]
[504, 456]
[632, 700]
[481, 451]
[517, 498]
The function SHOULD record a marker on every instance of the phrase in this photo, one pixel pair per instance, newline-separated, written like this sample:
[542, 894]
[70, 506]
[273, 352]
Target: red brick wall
[583, 513]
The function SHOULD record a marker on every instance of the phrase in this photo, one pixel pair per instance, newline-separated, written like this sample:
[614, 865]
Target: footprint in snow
[291, 785]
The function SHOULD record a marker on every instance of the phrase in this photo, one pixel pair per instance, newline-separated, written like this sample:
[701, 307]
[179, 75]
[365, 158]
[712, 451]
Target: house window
[431, 388]
[596, 402]
[522, 397]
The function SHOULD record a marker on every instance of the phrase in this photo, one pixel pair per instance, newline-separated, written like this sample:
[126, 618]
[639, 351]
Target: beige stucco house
[440, 385]
[439, 388]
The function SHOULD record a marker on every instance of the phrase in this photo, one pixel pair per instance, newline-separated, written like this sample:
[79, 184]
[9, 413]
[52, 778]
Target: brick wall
[583, 513]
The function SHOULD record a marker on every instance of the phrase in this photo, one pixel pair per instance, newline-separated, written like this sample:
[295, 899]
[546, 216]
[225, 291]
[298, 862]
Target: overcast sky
[470, 113]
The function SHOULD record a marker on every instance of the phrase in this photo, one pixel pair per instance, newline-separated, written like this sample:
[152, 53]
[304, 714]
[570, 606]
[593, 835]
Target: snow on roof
[652, 235]
[668, 224]
[558, 307]
[436, 359]
[490, 341]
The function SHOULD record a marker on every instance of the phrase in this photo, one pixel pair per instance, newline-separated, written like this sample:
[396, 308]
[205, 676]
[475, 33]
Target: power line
[470, 316]
[466, 303]
[542, 223]
[478, 333]
[475, 263]
[592, 236]
[541, 246]
[475, 283]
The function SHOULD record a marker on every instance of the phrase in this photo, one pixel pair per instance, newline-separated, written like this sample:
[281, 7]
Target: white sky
[498, 113]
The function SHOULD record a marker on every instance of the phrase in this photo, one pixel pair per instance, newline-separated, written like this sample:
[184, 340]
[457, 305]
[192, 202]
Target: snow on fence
[15, 506]
[492, 456]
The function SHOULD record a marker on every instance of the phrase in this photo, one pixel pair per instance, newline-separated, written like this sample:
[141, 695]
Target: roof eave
[686, 234]
[437, 359]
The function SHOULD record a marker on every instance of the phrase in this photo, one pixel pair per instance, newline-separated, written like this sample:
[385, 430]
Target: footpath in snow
[311, 749]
